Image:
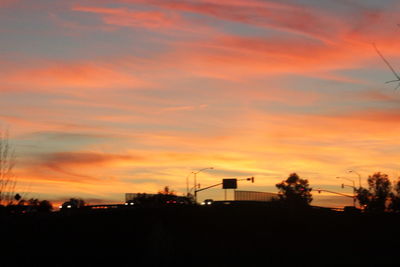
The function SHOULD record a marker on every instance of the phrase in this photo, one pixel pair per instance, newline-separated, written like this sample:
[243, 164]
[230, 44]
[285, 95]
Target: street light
[359, 177]
[187, 183]
[195, 181]
[354, 188]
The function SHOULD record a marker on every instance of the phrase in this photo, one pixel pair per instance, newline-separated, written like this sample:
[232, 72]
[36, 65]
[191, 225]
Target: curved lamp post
[359, 177]
[195, 180]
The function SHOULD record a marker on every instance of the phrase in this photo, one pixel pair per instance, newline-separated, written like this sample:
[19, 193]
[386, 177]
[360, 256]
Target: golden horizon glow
[131, 95]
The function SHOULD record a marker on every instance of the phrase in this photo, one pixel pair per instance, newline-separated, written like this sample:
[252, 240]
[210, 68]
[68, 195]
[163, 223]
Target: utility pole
[211, 186]
[196, 186]
[354, 188]
[187, 184]
[359, 177]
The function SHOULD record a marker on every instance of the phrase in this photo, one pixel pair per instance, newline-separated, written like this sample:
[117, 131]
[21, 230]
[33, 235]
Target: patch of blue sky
[53, 141]
[344, 6]
[41, 35]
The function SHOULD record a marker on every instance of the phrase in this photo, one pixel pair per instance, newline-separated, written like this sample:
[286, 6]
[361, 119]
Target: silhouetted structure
[156, 200]
[254, 196]
[73, 203]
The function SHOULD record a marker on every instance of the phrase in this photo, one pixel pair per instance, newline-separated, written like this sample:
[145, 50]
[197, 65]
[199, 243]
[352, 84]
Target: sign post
[229, 183]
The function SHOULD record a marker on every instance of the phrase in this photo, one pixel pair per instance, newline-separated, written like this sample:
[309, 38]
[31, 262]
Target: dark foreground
[200, 236]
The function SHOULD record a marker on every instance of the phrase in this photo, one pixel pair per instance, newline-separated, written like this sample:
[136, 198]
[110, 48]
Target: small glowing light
[69, 206]
[126, 203]
[60, 207]
[132, 203]
[202, 203]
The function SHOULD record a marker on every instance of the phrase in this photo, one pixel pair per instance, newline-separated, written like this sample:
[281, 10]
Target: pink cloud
[132, 18]
[7, 3]
[184, 108]
[288, 17]
[358, 24]
[238, 58]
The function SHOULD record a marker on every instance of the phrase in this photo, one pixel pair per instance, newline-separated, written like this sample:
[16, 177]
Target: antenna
[390, 67]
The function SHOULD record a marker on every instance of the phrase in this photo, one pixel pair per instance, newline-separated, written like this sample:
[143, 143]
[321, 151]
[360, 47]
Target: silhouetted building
[254, 196]
[132, 196]
[144, 199]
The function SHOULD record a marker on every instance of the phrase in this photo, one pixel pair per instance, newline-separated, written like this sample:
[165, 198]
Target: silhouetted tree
[45, 206]
[7, 163]
[17, 197]
[295, 191]
[377, 195]
[363, 196]
[39, 205]
[32, 205]
[395, 197]
[33, 202]
[167, 191]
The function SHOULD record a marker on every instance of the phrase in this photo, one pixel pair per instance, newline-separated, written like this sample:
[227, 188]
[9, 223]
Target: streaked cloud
[131, 18]
[62, 75]
[105, 97]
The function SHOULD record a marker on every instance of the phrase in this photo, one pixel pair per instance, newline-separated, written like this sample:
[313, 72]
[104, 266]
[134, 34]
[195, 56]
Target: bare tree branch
[390, 67]
[7, 163]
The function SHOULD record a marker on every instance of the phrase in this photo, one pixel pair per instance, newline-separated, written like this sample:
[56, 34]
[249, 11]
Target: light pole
[187, 184]
[195, 181]
[354, 188]
[359, 177]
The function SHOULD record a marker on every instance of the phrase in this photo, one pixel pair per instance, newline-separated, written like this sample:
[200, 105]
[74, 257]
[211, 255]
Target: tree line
[381, 195]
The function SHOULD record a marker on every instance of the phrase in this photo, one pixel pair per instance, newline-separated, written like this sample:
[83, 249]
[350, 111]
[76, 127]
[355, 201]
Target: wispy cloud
[62, 75]
[7, 3]
[133, 18]
[106, 96]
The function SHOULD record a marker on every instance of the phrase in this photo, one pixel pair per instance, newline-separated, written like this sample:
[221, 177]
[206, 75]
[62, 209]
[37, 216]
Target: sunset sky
[108, 97]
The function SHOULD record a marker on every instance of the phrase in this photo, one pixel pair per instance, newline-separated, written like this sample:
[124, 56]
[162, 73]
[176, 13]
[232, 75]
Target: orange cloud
[86, 75]
[185, 108]
[78, 167]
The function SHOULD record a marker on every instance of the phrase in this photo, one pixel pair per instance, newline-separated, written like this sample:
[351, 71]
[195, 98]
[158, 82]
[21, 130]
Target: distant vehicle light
[202, 203]
[69, 206]
[126, 204]
[60, 207]
[208, 201]
[132, 203]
